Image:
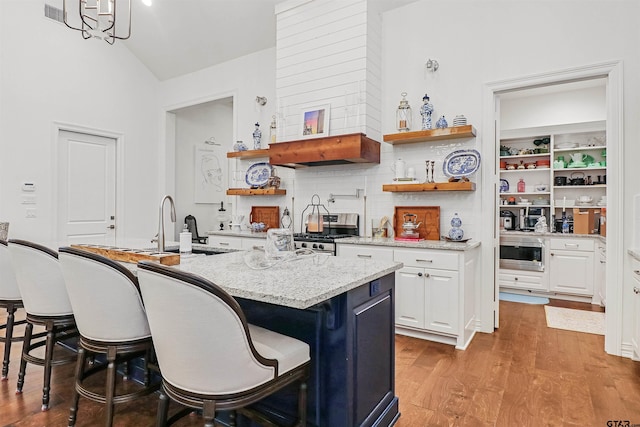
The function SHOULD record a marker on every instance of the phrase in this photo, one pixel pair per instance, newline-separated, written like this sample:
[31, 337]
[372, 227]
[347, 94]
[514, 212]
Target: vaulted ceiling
[177, 37]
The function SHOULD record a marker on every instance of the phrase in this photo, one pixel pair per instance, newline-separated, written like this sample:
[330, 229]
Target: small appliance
[529, 217]
[507, 220]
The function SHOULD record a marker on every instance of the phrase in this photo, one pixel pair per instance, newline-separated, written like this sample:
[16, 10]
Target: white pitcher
[577, 157]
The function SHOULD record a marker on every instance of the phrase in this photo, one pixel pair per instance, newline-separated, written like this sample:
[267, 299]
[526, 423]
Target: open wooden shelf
[467, 131]
[431, 186]
[256, 192]
[249, 154]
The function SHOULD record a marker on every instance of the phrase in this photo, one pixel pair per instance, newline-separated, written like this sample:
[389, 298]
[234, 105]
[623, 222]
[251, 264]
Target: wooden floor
[525, 374]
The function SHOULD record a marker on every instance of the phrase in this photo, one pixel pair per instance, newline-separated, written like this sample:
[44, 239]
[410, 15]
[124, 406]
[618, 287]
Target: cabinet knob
[552, 254]
[515, 278]
[636, 290]
[636, 272]
[419, 274]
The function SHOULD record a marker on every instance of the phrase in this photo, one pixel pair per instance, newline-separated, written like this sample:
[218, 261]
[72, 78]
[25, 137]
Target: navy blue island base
[351, 337]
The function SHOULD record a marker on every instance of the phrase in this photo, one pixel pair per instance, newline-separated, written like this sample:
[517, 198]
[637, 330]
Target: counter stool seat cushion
[289, 352]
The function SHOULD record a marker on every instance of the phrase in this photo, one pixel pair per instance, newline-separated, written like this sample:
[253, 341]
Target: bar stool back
[46, 302]
[209, 356]
[112, 322]
[11, 300]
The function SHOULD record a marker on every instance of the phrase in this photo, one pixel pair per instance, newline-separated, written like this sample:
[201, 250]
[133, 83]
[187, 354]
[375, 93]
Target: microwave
[522, 253]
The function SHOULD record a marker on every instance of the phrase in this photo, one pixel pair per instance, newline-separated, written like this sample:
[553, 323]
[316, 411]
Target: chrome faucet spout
[161, 220]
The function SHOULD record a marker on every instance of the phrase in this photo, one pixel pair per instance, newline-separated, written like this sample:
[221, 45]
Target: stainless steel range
[325, 233]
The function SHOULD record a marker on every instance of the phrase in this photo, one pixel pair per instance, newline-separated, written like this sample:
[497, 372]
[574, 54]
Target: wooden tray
[131, 255]
[428, 215]
[269, 215]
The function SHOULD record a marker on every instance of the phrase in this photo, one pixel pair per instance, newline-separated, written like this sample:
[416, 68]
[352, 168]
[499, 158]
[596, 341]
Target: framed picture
[315, 121]
[209, 178]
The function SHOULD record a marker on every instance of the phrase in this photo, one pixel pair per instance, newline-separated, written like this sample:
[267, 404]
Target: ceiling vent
[53, 13]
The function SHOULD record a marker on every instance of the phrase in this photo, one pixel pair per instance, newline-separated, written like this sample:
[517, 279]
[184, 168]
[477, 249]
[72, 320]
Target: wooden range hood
[330, 150]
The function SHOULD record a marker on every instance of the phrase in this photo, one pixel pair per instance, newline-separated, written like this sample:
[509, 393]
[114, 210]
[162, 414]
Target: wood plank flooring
[525, 374]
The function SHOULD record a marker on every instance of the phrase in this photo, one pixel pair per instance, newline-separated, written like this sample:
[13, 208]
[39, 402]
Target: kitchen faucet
[161, 220]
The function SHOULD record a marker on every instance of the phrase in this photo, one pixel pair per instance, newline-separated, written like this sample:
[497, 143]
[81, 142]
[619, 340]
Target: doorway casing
[488, 295]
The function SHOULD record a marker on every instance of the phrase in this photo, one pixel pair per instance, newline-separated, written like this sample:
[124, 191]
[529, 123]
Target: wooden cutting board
[131, 255]
[428, 215]
[268, 215]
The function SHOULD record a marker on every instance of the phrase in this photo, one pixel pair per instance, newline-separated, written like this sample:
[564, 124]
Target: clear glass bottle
[403, 114]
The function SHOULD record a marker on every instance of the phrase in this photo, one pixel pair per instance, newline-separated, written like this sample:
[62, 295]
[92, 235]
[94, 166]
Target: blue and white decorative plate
[461, 163]
[258, 174]
[504, 185]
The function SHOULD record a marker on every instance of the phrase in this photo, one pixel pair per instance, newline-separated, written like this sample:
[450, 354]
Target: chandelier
[106, 20]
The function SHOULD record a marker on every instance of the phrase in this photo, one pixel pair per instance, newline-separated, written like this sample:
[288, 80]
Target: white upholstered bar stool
[210, 358]
[11, 300]
[112, 322]
[46, 303]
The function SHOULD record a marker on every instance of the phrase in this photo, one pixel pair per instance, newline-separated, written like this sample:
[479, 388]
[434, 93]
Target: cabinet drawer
[227, 242]
[572, 244]
[249, 243]
[365, 252]
[445, 260]
[522, 280]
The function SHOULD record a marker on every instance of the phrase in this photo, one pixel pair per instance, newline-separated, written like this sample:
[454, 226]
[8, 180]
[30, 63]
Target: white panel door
[86, 188]
[442, 304]
[410, 297]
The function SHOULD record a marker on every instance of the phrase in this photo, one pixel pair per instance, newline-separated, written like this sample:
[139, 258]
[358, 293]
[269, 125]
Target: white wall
[548, 109]
[477, 43]
[48, 74]
[194, 125]
[243, 79]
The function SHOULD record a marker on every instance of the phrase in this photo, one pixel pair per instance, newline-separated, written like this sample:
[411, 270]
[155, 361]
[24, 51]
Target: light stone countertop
[555, 235]
[423, 244]
[298, 283]
[243, 233]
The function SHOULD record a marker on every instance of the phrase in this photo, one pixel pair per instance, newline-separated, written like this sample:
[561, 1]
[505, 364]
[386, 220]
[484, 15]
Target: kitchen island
[343, 308]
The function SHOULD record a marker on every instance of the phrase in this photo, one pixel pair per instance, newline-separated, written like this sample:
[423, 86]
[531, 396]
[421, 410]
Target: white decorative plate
[461, 163]
[258, 174]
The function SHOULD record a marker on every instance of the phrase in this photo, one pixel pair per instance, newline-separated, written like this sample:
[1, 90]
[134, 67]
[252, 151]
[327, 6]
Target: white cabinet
[635, 338]
[381, 253]
[427, 298]
[434, 291]
[435, 294]
[571, 266]
[521, 279]
[227, 242]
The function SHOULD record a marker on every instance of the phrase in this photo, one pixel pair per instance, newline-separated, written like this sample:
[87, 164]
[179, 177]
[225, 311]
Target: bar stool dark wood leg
[50, 344]
[163, 409]
[23, 361]
[73, 412]
[7, 340]
[111, 384]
